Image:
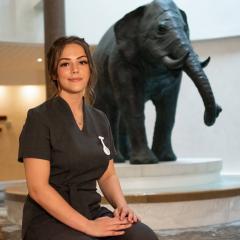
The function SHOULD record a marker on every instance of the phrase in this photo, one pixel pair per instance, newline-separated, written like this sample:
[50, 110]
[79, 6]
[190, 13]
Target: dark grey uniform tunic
[77, 158]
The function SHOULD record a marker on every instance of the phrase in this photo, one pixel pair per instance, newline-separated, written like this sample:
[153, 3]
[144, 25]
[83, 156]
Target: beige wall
[14, 103]
[18, 70]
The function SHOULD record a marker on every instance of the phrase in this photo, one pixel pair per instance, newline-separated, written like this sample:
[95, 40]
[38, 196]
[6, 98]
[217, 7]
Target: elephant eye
[162, 29]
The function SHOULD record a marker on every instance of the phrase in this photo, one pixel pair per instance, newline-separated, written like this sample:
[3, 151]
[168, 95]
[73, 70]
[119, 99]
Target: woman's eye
[83, 62]
[64, 64]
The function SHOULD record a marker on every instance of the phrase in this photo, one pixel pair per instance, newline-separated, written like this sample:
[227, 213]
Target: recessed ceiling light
[39, 60]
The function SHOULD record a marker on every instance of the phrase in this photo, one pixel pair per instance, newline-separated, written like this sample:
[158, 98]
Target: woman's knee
[140, 231]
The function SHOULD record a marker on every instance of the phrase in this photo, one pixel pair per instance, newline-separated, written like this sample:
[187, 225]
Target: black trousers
[138, 231]
[51, 229]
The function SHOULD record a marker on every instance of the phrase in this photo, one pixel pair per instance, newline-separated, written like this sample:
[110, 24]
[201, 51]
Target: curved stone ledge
[193, 201]
[19, 194]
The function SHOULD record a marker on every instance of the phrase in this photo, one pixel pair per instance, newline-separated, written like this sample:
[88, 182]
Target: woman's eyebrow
[84, 56]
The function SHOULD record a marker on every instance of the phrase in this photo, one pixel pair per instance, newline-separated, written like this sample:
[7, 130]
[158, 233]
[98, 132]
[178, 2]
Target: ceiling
[19, 66]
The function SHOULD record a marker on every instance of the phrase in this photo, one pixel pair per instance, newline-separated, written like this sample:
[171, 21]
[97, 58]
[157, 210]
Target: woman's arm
[37, 175]
[110, 187]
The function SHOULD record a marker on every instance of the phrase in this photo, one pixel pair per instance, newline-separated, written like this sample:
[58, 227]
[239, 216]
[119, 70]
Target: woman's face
[73, 70]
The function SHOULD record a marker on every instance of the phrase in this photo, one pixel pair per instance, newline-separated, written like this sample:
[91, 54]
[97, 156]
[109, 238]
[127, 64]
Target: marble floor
[9, 231]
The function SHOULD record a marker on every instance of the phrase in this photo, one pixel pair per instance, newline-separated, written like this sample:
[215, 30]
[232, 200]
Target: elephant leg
[114, 118]
[140, 152]
[165, 118]
[130, 99]
[105, 101]
[124, 144]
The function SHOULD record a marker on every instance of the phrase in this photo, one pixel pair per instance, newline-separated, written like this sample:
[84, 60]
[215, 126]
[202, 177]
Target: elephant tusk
[175, 63]
[205, 63]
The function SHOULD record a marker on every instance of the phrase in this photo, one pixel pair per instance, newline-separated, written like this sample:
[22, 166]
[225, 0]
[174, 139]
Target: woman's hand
[107, 226]
[126, 213]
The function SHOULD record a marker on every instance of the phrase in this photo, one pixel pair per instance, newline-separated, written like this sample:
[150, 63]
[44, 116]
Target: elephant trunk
[194, 70]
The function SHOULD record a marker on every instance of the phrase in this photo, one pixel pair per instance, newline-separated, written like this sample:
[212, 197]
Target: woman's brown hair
[54, 54]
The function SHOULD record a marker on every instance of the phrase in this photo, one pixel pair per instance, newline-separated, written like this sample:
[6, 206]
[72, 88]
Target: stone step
[183, 166]
[6, 184]
[187, 207]
[183, 172]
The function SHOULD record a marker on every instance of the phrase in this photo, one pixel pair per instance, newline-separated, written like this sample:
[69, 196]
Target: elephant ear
[126, 32]
[184, 16]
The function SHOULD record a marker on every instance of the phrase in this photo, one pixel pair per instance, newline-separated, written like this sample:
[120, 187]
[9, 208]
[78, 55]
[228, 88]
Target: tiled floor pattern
[219, 232]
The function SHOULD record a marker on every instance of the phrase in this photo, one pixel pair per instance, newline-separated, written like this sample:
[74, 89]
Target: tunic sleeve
[34, 140]
[113, 152]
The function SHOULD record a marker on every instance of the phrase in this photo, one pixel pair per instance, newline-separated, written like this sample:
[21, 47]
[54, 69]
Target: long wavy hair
[54, 54]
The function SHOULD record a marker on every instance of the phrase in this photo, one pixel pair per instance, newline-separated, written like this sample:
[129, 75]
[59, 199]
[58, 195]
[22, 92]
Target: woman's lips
[75, 79]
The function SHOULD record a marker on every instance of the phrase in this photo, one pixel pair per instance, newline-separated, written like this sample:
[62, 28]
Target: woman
[66, 146]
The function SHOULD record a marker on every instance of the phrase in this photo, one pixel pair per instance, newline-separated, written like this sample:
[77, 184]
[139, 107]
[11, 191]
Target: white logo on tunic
[105, 149]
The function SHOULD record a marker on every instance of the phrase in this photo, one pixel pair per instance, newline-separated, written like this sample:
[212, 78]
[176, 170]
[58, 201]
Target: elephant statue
[140, 58]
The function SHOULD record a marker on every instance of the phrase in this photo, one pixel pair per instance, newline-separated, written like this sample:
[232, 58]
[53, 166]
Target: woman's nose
[75, 68]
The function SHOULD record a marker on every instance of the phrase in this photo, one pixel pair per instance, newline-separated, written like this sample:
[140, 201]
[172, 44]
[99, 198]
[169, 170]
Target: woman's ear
[55, 82]
[126, 31]
[54, 77]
